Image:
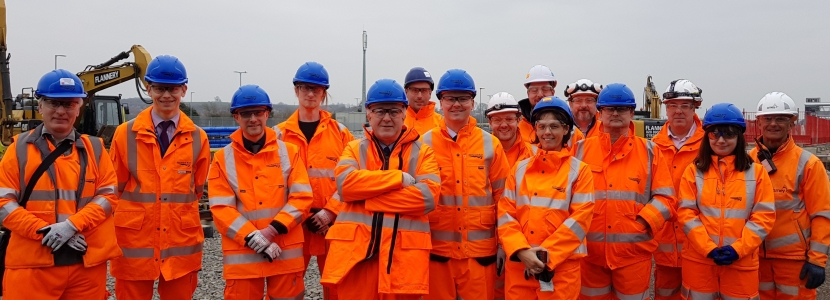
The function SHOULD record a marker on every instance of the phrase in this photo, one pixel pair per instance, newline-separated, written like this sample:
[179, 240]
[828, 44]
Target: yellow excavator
[100, 114]
[647, 120]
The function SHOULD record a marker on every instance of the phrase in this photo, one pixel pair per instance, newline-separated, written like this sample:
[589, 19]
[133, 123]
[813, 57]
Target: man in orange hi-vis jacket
[473, 168]
[161, 158]
[259, 194]
[794, 254]
[63, 236]
[420, 113]
[678, 142]
[634, 198]
[388, 182]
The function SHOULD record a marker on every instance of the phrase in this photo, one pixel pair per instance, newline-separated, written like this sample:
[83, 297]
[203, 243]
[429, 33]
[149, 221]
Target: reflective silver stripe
[259, 214]
[803, 159]
[823, 213]
[727, 240]
[432, 177]
[109, 189]
[7, 209]
[766, 286]
[575, 227]
[627, 237]
[294, 212]
[691, 225]
[132, 157]
[388, 221]
[236, 226]
[594, 292]
[724, 297]
[450, 200]
[543, 202]
[509, 194]
[347, 161]
[498, 184]
[479, 200]
[341, 126]
[299, 188]
[427, 138]
[63, 217]
[477, 235]
[749, 178]
[66, 194]
[97, 148]
[504, 219]
[197, 149]
[664, 211]
[138, 252]
[138, 197]
[429, 198]
[819, 247]
[699, 184]
[342, 177]
[180, 251]
[278, 131]
[104, 204]
[412, 169]
[621, 196]
[688, 203]
[363, 151]
[224, 200]
[580, 153]
[489, 153]
[285, 165]
[595, 237]
[299, 295]
[757, 229]
[582, 198]
[665, 191]
[699, 295]
[665, 248]
[763, 207]
[729, 213]
[178, 198]
[648, 193]
[534, 149]
[449, 236]
[787, 289]
[22, 156]
[230, 168]
[8, 193]
[667, 292]
[782, 241]
[639, 296]
[412, 163]
[252, 258]
[320, 173]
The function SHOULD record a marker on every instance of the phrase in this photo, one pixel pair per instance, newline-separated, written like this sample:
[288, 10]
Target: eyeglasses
[310, 88]
[548, 90]
[417, 91]
[540, 127]
[778, 119]
[500, 120]
[54, 104]
[393, 112]
[461, 100]
[248, 114]
[684, 106]
[161, 89]
[715, 135]
[618, 109]
[588, 101]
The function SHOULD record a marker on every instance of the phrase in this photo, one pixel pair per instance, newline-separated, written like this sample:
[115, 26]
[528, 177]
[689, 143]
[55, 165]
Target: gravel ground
[211, 284]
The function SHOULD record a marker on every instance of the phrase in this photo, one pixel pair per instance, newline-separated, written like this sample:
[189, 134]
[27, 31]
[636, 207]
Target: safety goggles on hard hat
[498, 107]
[675, 95]
[574, 88]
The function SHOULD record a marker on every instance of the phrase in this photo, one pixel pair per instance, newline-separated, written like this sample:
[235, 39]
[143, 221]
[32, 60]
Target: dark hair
[558, 115]
[742, 159]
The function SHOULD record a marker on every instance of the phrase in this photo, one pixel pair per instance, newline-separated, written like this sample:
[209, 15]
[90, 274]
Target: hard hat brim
[62, 95]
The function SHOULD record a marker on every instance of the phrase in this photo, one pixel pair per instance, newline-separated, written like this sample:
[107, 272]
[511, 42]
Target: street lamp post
[56, 60]
[480, 99]
[240, 76]
[191, 104]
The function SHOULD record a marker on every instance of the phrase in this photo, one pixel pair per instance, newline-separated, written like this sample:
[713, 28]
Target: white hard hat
[776, 103]
[583, 87]
[502, 102]
[540, 73]
[683, 89]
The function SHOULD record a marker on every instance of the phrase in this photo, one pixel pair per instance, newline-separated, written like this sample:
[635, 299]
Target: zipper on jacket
[395, 225]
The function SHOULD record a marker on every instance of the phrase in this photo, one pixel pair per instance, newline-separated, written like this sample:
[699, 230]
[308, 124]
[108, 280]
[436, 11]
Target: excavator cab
[101, 116]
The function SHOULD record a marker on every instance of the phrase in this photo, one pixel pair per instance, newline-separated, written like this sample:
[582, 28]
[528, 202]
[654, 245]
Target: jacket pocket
[190, 219]
[415, 240]
[553, 222]
[342, 232]
[294, 236]
[488, 217]
[130, 219]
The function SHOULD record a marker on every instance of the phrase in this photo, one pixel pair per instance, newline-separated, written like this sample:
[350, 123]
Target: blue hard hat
[456, 80]
[166, 69]
[314, 73]
[250, 95]
[385, 91]
[418, 74]
[58, 84]
[551, 103]
[724, 114]
[616, 94]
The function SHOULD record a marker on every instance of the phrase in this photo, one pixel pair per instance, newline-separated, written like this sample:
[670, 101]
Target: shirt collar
[157, 119]
[44, 132]
[688, 135]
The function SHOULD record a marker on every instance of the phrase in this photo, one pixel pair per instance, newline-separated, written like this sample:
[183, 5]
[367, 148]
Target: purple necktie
[165, 139]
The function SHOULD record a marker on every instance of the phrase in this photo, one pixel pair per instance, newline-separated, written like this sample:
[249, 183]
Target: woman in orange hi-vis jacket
[727, 209]
[547, 206]
[259, 194]
[63, 236]
[321, 140]
[388, 182]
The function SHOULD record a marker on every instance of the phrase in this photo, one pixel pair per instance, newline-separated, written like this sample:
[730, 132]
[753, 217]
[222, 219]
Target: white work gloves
[259, 240]
[500, 258]
[408, 180]
[77, 242]
[272, 252]
[56, 235]
[321, 221]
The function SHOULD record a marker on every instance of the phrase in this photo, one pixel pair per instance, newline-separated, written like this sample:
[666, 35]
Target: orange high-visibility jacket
[320, 156]
[723, 206]
[473, 169]
[55, 198]
[519, 151]
[671, 238]
[802, 206]
[424, 120]
[382, 219]
[630, 180]
[548, 201]
[157, 218]
[247, 192]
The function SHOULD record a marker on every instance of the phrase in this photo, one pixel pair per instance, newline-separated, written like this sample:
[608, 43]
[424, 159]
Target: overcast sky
[736, 51]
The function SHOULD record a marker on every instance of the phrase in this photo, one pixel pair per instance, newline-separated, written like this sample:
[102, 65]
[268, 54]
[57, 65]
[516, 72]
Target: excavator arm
[652, 99]
[103, 76]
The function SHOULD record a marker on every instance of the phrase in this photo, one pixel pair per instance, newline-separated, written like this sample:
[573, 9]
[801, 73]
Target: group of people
[560, 201]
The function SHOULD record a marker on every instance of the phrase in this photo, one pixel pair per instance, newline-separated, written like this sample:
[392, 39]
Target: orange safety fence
[808, 129]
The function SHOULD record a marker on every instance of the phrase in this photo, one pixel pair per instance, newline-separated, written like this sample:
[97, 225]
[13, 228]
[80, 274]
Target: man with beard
[420, 114]
[582, 98]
